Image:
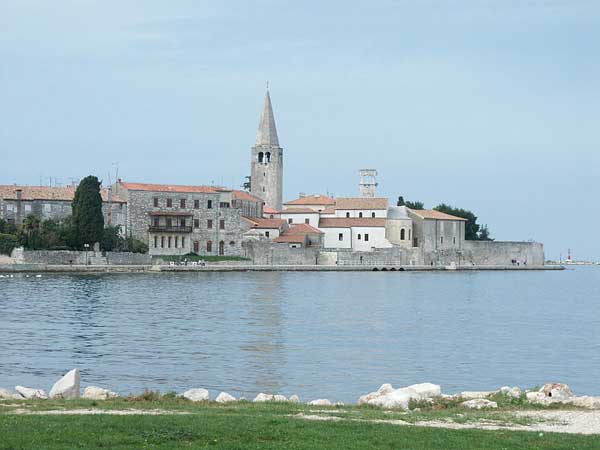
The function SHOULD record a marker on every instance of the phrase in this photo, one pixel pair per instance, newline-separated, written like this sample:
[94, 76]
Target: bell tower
[266, 165]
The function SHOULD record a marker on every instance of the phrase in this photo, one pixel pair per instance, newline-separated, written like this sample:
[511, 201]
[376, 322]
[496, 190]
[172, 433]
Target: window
[261, 157]
[156, 221]
[176, 241]
[347, 214]
[196, 204]
[169, 222]
[208, 246]
[409, 234]
[221, 248]
[290, 220]
[366, 237]
[224, 205]
[155, 202]
[196, 223]
[209, 224]
[360, 215]
[182, 241]
[454, 240]
[359, 237]
[307, 221]
[182, 222]
[170, 241]
[372, 214]
[209, 204]
[222, 224]
[232, 243]
[268, 157]
[441, 239]
[340, 236]
[162, 242]
[267, 233]
[169, 202]
[402, 234]
[155, 241]
[271, 216]
[196, 246]
[182, 202]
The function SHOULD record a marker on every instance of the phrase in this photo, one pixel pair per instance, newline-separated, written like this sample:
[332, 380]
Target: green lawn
[252, 426]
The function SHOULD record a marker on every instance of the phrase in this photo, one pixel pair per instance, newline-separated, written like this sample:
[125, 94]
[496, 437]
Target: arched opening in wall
[393, 269]
[221, 248]
[402, 234]
[261, 157]
[208, 246]
[347, 215]
[268, 157]
[373, 214]
[384, 270]
[401, 269]
[375, 269]
[360, 214]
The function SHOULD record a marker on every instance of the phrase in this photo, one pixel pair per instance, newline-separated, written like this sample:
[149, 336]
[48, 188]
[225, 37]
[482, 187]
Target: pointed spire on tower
[267, 132]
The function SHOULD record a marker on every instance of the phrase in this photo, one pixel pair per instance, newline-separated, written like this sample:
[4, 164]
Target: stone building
[398, 228]
[435, 230]
[266, 167]
[176, 220]
[17, 202]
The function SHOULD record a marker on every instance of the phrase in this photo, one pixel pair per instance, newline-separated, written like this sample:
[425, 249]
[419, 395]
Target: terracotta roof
[66, 193]
[347, 222]
[303, 228]
[172, 188]
[299, 211]
[313, 199]
[291, 238]
[329, 210]
[269, 210]
[243, 195]
[268, 223]
[433, 214]
[361, 203]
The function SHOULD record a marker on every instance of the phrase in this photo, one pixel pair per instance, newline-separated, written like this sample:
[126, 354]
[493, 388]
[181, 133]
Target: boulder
[383, 390]
[426, 390]
[279, 398]
[294, 399]
[67, 386]
[224, 397]
[6, 395]
[29, 393]
[98, 393]
[471, 395]
[557, 391]
[320, 402]
[536, 397]
[197, 395]
[388, 397]
[264, 398]
[398, 398]
[479, 403]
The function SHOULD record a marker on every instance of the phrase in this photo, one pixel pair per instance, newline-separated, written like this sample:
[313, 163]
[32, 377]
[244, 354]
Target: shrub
[7, 243]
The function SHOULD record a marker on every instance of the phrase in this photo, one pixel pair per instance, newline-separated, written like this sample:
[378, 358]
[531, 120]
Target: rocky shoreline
[407, 398]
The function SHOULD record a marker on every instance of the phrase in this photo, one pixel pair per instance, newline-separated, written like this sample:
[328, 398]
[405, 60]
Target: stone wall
[269, 253]
[67, 257]
[493, 253]
[383, 256]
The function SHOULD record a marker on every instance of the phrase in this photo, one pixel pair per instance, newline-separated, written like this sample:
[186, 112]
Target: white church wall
[382, 213]
[375, 235]
[332, 237]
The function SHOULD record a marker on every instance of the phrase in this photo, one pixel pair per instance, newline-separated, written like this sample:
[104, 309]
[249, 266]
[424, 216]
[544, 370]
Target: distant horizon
[489, 107]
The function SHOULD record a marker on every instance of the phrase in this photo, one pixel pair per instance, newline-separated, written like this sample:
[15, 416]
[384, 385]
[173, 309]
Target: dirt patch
[93, 411]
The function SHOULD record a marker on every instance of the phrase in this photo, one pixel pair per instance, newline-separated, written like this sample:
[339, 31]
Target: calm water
[334, 335]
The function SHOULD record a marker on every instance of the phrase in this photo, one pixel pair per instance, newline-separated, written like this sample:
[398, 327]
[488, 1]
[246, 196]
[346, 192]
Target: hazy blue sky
[488, 105]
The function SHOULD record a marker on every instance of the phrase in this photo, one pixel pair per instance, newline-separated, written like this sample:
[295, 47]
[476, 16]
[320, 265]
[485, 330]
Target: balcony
[171, 229]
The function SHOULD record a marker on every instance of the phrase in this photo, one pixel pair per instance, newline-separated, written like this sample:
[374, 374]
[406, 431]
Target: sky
[492, 106]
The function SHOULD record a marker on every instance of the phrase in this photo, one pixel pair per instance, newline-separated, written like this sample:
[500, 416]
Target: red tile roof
[313, 199]
[243, 195]
[347, 222]
[291, 238]
[299, 211]
[66, 193]
[433, 214]
[269, 210]
[361, 203]
[172, 188]
[268, 223]
[303, 228]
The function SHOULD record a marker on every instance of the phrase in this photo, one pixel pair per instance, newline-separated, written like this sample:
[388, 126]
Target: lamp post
[86, 246]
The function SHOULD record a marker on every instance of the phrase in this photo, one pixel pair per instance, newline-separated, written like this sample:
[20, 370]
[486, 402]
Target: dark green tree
[88, 221]
[472, 228]
[484, 234]
[7, 243]
[29, 234]
[409, 204]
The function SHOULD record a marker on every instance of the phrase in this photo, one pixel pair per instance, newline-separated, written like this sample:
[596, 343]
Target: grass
[246, 425]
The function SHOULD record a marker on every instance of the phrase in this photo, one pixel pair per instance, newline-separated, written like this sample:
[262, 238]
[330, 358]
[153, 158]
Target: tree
[472, 228]
[484, 234]
[409, 204]
[29, 235]
[88, 221]
[7, 243]
[112, 239]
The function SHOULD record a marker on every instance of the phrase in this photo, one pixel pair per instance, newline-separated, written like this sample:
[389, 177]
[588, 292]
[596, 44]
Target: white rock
[471, 395]
[67, 386]
[515, 392]
[504, 390]
[6, 395]
[426, 390]
[264, 398]
[479, 403]
[586, 402]
[197, 395]
[294, 399]
[28, 393]
[320, 402]
[383, 390]
[399, 398]
[98, 393]
[557, 391]
[279, 398]
[224, 397]
[536, 397]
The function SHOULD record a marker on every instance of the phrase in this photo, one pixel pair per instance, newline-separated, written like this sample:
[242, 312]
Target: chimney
[19, 213]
